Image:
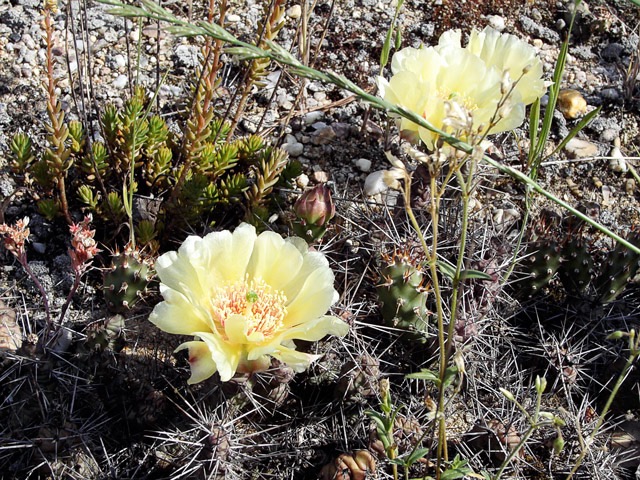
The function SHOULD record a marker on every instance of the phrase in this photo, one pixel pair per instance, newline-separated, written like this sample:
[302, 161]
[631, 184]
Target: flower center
[464, 101]
[263, 307]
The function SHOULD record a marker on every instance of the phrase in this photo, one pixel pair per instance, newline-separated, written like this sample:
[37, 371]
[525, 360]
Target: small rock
[294, 12]
[321, 176]
[293, 149]
[324, 136]
[312, 117]
[39, 247]
[617, 162]
[121, 82]
[233, 18]
[302, 180]
[363, 164]
[612, 52]
[187, 56]
[571, 103]
[630, 186]
[496, 22]
[578, 148]
[120, 60]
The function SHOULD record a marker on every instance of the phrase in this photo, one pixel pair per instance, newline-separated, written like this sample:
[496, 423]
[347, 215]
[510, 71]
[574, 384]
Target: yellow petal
[274, 260]
[235, 327]
[310, 331]
[177, 315]
[298, 361]
[200, 360]
[313, 300]
[225, 355]
[317, 329]
[229, 253]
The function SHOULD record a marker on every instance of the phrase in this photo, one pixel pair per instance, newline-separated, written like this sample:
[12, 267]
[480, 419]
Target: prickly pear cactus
[576, 268]
[126, 280]
[539, 266]
[403, 293]
[105, 335]
[620, 265]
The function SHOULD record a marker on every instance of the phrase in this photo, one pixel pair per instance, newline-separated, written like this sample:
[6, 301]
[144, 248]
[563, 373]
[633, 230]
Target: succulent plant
[620, 265]
[565, 247]
[106, 335]
[576, 266]
[539, 267]
[126, 280]
[403, 291]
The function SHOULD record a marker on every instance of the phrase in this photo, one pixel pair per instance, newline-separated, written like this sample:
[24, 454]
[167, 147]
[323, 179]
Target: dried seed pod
[355, 466]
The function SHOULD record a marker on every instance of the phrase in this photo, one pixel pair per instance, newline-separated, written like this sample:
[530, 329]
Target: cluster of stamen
[263, 307]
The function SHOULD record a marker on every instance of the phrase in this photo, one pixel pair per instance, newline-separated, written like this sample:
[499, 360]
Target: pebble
[187, 56]
[617, 162]
[323, 136]
[496, 22]
[233, 18]
[312, 117]
[321, 176]
[302, 180]
[363, 164]
[630, 186]
[571, 103]
[293, 149]
[120, 60]
[578, 148]
[294, 12]
[121, 82]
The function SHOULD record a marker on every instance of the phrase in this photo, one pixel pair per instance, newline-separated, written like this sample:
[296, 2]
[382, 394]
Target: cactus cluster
[126, 280]
[564, 248]
[403, 290]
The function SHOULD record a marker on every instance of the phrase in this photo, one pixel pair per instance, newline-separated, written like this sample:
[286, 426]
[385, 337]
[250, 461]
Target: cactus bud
[314, 209]
[315, 206]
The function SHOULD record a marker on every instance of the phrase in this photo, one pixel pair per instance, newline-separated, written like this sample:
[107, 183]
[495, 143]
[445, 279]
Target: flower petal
[317, 329]
[235, 327]
[309, 331]
[312, 300]
[298, 361]
[200, 360]
[178, 315]
[274, 260]
[229, 253]
[225, 355]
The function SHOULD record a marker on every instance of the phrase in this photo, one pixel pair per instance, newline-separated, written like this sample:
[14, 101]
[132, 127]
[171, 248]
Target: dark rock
[612, 52]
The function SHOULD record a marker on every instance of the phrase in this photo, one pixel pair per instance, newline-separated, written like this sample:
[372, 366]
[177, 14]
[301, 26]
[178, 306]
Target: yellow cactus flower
[506, 52]
[448, 81]
[246, 298]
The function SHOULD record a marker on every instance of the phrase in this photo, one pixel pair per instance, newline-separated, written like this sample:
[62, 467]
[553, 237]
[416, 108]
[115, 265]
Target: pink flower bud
[315, 206]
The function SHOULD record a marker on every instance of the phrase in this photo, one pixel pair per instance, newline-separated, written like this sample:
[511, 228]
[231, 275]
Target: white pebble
[363, 164]
[121, 82]
[302, 180]
[577, 148]
[294, 12]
